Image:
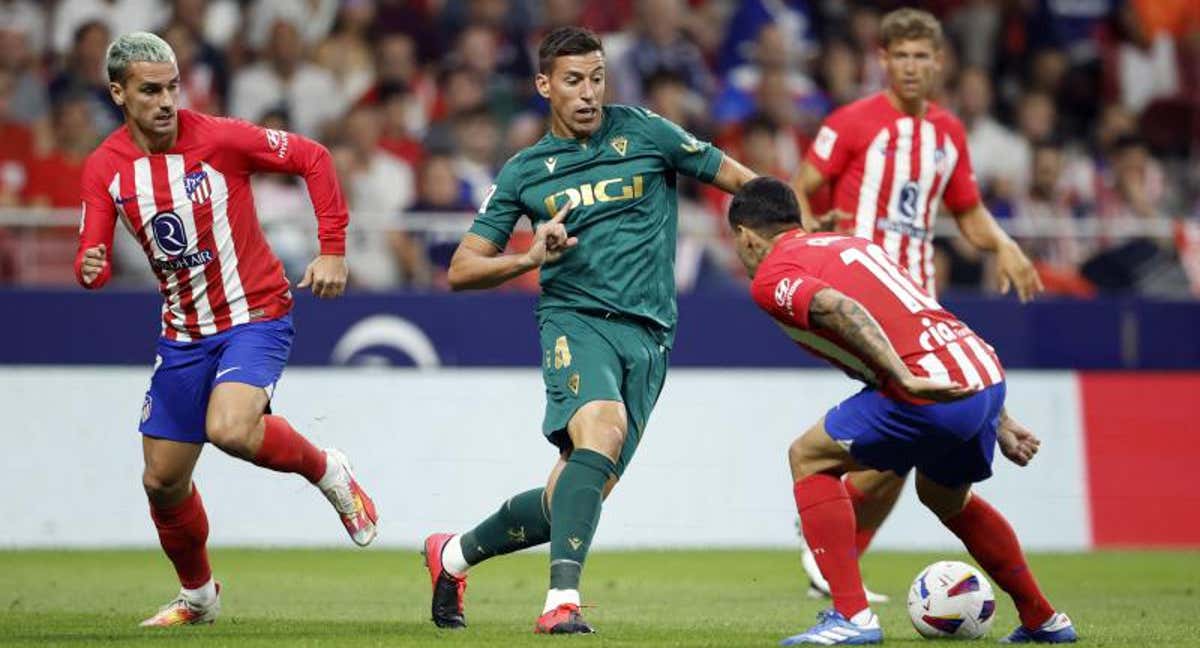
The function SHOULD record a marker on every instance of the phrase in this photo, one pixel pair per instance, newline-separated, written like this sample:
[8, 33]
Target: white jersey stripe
[196, 278]
[901, 172]
[928, 172]
[985, 359]
[868, 193]
[831, 350]
[235, 293]
[970, 374]
[144, 187]
[934, 367]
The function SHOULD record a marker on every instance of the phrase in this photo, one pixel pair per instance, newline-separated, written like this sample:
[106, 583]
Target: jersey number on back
[876, 261]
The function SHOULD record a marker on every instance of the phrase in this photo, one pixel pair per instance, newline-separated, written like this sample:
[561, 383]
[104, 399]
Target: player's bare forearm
[808, 180]
[477, 264]
[732, 175]
[836, 313]
[981, 229]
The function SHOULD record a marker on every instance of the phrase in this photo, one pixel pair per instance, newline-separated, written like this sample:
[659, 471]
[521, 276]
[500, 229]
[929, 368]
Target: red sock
[285, 450]
[995, 547]
[183, 532]
[828, 521]
[864, 535]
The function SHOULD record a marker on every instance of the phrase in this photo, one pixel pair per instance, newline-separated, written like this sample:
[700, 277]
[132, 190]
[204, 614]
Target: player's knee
[800, 458]
[230, 433]
[607, 438]
[164, 489]
[942, 501]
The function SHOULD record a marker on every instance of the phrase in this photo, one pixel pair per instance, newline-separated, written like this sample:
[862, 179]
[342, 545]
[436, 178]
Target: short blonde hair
[132, 48]
[910, 24]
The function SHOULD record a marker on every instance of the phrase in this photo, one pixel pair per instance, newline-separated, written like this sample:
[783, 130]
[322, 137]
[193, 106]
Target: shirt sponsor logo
[785, 290]
[195, 259]
[277, 141]
[823, 146]
[612, 189]
[169, 233]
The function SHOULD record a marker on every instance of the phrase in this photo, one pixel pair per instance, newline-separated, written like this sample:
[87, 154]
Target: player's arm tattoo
[836, 313]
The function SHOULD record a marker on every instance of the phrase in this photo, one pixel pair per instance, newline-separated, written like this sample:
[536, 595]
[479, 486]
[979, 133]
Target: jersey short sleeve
[833, 147]
[786, 291]
[962, 192]
[683, 152]
[501, 207]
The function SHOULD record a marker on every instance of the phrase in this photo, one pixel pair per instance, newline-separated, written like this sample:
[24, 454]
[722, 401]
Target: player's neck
[559, 129]
[912, 108]
[150, 143]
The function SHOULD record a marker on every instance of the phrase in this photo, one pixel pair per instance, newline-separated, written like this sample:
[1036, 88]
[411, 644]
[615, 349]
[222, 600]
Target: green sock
[575, 511]
[521, 522]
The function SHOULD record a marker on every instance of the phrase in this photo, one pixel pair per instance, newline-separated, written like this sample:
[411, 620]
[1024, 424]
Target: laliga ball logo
[951, 599]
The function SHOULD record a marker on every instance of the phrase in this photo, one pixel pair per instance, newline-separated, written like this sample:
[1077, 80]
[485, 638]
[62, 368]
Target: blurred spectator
[462, 89]
[477, 141]
[55, 178]
[312, 20]
[27, 18]
[1135, 230]
[213, 22]
[1146, 67]
[208, 59]
[379, 187]
[199, 81]
[838, 70]
[975, 28]
[771, 75]
[118, 16]
[1045, 222]
[397, 71]
[85, 74]
[440, 190]
[479, 48]
[347, 53]
[285, 81]
[792, 18]
[401, 118]
[28, 99]
[667, 95]
[16, 147]
[996, 152]
[658, 44]
[285, 211]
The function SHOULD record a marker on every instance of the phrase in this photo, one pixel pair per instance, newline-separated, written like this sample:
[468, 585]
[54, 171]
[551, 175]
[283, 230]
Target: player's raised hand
[936, 390]
[93, 262]
[327, 276]
[1017, 270]
[550, 239]
[1016, 442]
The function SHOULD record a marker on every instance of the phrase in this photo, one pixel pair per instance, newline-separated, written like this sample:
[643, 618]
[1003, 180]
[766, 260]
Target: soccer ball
[951, 599]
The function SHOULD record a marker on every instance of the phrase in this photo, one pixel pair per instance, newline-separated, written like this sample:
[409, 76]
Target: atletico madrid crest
[197, 186]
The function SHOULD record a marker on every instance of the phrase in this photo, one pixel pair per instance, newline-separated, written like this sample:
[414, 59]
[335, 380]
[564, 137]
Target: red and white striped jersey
[928, 338]
[192, 211]
[890, 171]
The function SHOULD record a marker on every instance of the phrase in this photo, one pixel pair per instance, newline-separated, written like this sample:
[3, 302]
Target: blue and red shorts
[950, 443]
[186, 372]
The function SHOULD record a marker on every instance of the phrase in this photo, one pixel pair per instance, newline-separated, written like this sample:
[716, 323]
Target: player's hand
[550, 240]
[1016, 442]
[1016, 270]
[936, 390]
[327, 276]
[827, 222]
[93, 263]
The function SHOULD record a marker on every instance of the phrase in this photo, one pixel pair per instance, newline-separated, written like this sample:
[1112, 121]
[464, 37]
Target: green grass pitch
[641, 598]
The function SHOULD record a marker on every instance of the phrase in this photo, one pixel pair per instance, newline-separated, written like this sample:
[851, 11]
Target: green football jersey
[622, 183]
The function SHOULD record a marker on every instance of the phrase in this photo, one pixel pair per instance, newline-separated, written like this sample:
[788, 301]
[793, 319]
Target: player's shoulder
[944, 118]
[622, 112]
[871, 107]
[111, 151]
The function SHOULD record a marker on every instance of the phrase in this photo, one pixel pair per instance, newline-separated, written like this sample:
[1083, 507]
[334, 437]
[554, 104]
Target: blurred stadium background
[1084, 128]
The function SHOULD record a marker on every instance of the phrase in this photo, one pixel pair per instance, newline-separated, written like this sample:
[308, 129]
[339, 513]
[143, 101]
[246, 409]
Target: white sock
[557, 597]
[333, 472]
[203, 595]
[452, 557]
[865, 619]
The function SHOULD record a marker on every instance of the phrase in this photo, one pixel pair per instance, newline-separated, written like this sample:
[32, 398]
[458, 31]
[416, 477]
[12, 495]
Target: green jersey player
[600, 190]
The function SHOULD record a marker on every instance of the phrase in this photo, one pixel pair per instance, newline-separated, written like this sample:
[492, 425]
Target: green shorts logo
[573, 383]
[562, 353]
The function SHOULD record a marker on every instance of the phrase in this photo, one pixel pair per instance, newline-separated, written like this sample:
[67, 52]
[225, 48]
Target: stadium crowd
[1083, 119]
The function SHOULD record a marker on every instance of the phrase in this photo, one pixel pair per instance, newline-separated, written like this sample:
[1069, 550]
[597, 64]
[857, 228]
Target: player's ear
[542, 83]
[117, 93]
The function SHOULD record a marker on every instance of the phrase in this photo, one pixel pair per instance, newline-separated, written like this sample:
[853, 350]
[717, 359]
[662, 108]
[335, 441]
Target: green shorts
[588, 357]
